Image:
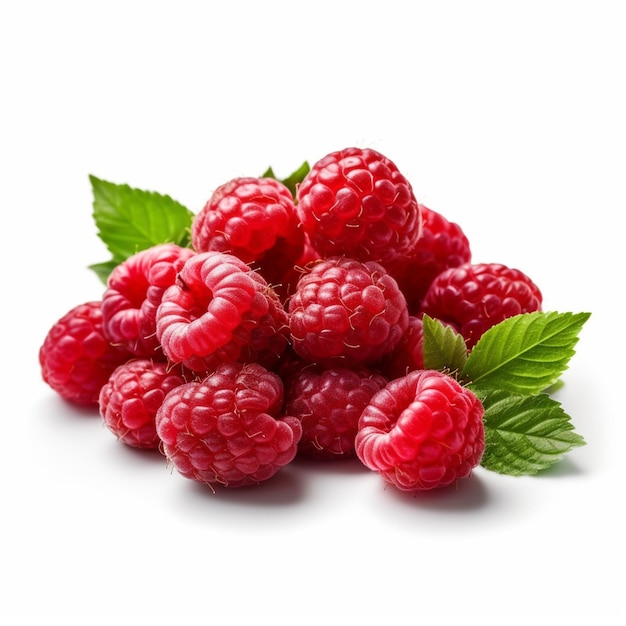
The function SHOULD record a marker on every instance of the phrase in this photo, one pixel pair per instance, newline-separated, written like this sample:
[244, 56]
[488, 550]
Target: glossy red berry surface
[473, 297]
[422, 431]
[76, 358]
[226, 429]
[356, 202]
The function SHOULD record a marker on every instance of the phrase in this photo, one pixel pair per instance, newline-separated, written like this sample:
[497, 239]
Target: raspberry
[356, 202]
[475, 297]
[443, 244]
[134, 290]
[220, 311]
[76, 358]
[422, 431]
[256, 220]
[224, 429]
[131, 397]
[346, 312]
[328, 403]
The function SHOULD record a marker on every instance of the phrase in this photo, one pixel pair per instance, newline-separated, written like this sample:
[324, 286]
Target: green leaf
[443, 349]
[524, 354]
[525, 434]
[129, 220]
[293, 180]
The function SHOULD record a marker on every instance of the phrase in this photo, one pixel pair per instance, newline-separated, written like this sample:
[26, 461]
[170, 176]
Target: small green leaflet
[130, 220]
[293, 180]
[513, 368]
[524, 354]
[443, 349]
[525, 434]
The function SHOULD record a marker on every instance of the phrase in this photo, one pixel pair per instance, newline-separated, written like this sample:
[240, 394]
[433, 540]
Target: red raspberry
[329, 403]
[133, 293]
[443, 244]
[219, 311]
[356, 202]
[475, 297]
[76, 358]
[256, 220]
[224, 430]
[422, 431]
[346, 312]
[132, 396]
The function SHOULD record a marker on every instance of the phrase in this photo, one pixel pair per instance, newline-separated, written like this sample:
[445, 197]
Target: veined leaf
[443, 349]
[525, 434]
[293, 180]
[524, 354]
[130, 220]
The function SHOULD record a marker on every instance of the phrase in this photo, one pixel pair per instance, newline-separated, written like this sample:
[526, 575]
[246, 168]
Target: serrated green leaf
[524, 354]
[525, 434]
[129, 220]
[443, 349]
[293, 180]
[103, 270]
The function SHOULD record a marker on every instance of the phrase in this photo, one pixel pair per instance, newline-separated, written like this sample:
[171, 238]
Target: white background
[507, 117]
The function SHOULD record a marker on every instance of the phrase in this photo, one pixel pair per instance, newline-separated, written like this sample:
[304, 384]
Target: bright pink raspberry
[443, 244]
[422, 431]
[226, 429]
[131, 398]
[256, 220]
[76, 358]
[346, 312]
[134, 290]
[219, 311]
[328, 403]
[356, 202]
[473, 297]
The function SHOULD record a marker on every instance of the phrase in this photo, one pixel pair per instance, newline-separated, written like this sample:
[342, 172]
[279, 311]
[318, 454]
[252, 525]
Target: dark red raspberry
[346, 312]
[475, 297]
[134, 290]
[225, 429]
[131, 398]
[422, 431]
[76, 358]
[328, 403]
[356, 202]
[443, 244]
[256, 220]
[219, 311]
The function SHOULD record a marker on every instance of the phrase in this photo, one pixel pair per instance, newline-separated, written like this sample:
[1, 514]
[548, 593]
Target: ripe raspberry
[346, 312]
[131, 397]
[422, 431]
[219, 311]
[475, 297]
[76, 358]
[224, 429]
[356, 202]
[328, 403]
[133, 293]
[256, 220]
[443, 244]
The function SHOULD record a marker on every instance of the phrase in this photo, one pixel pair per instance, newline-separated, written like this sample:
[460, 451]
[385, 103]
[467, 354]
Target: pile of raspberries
[292, 327]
